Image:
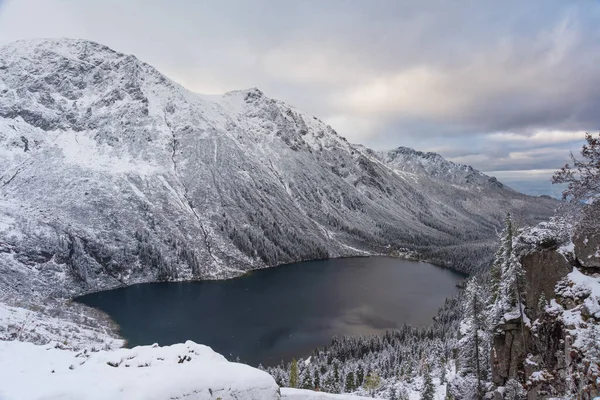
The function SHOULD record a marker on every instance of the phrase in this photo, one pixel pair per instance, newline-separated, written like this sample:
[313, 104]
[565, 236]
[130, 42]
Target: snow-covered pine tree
[350, 385]
[510, 288]
[307, 381]
[474, 343]
[317, 380]
[360, 375]
[329, 384]
[502, 254]
[428, 391]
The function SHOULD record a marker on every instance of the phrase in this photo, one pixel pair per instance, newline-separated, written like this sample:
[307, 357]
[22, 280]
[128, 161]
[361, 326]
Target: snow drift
[182, 371]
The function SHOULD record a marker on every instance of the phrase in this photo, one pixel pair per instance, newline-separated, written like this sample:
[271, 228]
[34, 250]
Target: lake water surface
[282, 312]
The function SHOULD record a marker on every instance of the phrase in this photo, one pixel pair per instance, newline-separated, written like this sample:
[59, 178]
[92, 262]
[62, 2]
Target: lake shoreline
[408, 256]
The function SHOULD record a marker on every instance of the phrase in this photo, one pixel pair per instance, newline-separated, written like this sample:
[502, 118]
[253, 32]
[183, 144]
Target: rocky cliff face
[556, 352]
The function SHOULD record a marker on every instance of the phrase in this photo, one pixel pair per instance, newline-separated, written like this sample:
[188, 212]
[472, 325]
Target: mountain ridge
[114, 174]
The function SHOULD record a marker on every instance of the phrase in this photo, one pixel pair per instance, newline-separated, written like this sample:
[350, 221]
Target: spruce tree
[428, 391]
[279, 380]
[329, 384]
[317, 380]
[336, 372]
[336, 378]
[473, 344]
[360, 376]
[496, 271]
[409, 373]
[294, 374]
[508, 275]
[512, 289]
[350, 386]
[307, 382]
[502, 254]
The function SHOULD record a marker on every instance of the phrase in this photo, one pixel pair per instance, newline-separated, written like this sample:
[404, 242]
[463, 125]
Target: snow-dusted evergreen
[508, 278]
[474, 344]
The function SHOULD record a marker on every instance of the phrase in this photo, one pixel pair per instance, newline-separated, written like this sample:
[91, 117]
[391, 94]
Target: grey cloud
[435, 75]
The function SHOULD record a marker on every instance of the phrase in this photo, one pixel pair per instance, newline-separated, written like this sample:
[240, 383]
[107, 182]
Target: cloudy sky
[509, 87]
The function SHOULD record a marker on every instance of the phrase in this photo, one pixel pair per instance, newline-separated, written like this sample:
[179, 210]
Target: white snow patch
[585, 291]
[567, 248]
[80, 149]
[182, 371]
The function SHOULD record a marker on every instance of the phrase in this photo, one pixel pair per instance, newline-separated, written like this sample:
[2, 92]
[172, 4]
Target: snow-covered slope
[110, 174]
[181, 371]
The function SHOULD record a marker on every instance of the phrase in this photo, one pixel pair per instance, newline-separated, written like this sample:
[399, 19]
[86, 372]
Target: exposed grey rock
[587, 250]
[509, 351]
[543, 270]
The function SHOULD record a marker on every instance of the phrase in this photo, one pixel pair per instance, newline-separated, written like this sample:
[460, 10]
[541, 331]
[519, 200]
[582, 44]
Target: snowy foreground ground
[181, 371]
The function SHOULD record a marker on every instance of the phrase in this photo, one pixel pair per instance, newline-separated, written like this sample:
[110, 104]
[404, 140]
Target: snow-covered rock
[588, 250]
[112, 174]
[183, 371]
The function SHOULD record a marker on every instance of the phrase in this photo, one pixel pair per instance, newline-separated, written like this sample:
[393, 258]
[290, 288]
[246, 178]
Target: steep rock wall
[556, 354]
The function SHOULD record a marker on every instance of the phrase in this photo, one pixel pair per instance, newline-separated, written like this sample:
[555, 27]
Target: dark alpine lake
[282, 312]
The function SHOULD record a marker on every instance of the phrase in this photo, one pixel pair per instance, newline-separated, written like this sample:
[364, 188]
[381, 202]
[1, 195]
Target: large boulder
[587, 250]
[543, 270]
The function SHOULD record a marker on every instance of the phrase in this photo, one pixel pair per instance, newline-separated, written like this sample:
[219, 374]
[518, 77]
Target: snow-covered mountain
[110, 174]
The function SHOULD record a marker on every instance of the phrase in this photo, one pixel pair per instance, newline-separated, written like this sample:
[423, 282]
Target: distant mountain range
[111, 174]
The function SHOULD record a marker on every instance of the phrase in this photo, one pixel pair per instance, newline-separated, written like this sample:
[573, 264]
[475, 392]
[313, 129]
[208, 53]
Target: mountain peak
[65, 46]
[435, 166]
[427, 155]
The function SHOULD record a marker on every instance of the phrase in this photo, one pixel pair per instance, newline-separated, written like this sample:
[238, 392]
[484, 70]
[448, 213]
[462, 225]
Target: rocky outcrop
[543, 270]
[558, 353]
[587, 249]
[509, 351]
